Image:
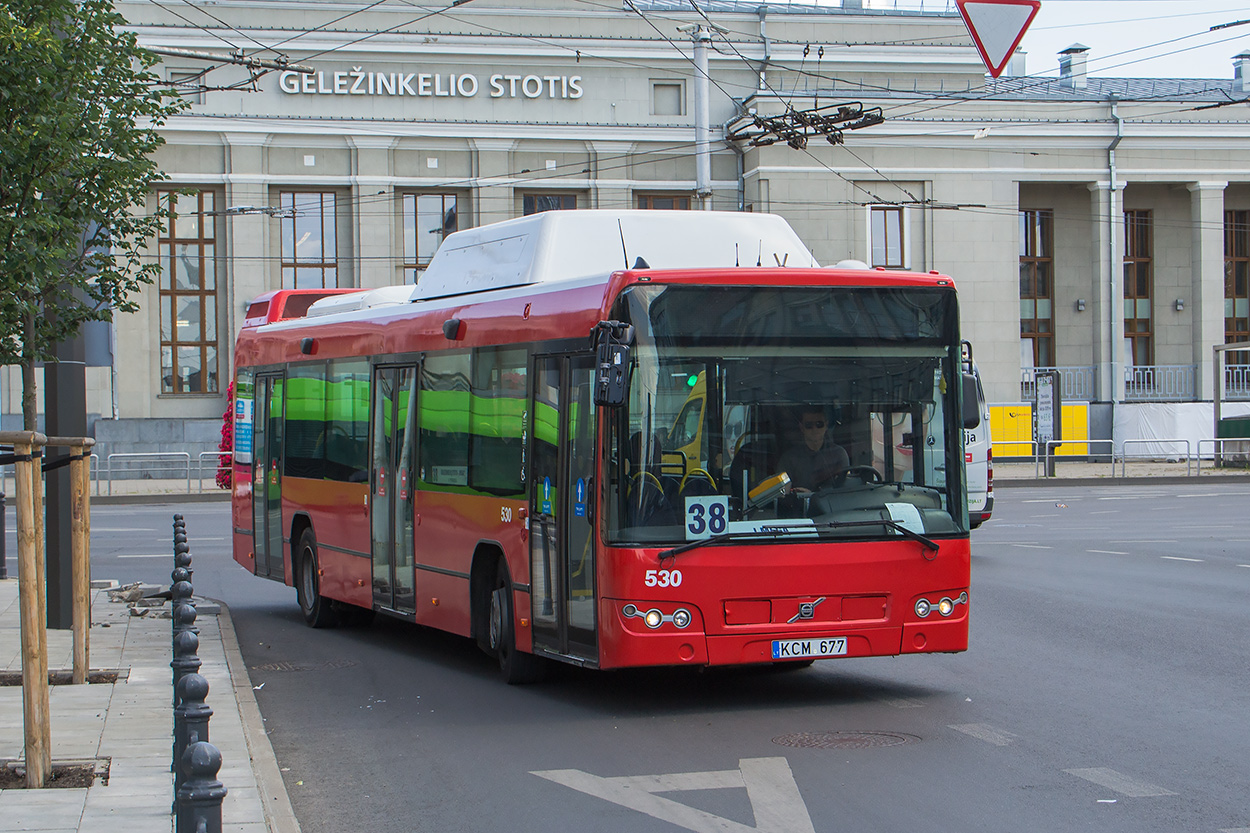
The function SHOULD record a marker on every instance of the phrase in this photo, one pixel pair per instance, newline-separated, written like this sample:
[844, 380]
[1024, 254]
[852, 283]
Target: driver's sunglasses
[811, 425]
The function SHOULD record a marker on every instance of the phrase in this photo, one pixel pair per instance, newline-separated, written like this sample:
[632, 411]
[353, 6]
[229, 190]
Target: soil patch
[75, 775]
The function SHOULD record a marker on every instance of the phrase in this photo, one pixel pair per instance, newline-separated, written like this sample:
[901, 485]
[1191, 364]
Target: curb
[279, 814]
[1164, 480]
[158, 499]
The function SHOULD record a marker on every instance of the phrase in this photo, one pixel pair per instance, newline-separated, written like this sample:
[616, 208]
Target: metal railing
[1160, 383]
[1050, 447]
[1152, 455]
[166, 461]
[1218, 452]
[1076, 383]
[1237, 381]
[212, 473]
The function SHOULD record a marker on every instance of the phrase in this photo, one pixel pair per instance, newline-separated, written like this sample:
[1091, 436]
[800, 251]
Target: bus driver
[818, 460]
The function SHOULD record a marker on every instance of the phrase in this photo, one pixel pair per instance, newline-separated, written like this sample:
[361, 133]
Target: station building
[1098, 226]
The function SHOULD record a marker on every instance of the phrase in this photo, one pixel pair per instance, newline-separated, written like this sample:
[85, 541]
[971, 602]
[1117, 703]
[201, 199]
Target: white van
[978, 448]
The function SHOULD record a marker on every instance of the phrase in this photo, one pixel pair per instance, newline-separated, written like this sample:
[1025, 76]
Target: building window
[1037, 286]
[886, 236]
[668, 98]
[1138, 287]
[1237, 282]
[188, 292]
[309, 249]
[669, 202]
[428, 219]
[538, 203]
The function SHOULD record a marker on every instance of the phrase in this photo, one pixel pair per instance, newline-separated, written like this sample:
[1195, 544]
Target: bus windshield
[808, 409]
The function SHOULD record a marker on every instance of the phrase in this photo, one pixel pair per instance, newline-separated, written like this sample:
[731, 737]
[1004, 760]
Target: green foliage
[79, 111]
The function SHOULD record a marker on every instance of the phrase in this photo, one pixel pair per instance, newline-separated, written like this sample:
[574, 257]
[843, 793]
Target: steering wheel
[865, 473]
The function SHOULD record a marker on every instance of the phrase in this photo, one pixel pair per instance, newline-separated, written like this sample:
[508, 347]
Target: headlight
[654, 618]
[945, 607]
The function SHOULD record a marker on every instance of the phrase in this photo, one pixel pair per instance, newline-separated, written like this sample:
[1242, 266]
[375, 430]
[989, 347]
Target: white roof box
[365, 299]
[565, 245]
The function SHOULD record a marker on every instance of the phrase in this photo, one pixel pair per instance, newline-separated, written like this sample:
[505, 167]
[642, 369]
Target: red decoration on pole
[224, 470]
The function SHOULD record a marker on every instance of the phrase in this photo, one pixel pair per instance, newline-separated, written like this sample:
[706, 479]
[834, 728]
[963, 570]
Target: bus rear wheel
[517, 667]
[318, 611]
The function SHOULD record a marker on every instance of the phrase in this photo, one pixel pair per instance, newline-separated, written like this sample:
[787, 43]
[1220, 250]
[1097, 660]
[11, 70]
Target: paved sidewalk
[129, 723]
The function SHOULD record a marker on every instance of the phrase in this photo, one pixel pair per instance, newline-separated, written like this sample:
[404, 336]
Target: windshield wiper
[910, 534]
[729, 536]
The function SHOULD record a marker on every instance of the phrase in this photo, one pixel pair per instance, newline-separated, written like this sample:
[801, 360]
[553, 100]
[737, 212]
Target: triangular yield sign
[997, 27]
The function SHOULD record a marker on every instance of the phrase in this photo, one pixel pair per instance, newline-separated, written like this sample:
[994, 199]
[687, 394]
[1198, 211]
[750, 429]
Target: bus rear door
[562, 541]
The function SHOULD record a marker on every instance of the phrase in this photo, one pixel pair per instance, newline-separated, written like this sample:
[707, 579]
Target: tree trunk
[30, 402]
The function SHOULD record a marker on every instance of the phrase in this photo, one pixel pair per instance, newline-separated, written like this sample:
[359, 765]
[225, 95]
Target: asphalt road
[1106, 688]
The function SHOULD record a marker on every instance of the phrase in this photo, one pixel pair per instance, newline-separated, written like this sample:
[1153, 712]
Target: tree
[79, 112]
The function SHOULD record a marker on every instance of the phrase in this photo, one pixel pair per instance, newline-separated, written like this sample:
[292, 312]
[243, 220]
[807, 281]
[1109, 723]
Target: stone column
[376, 212]
[613, 190]
[492, 172]
[1107, 289]
[1207, 294]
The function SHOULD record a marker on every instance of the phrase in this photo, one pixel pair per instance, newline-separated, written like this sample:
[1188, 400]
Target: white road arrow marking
[769, 783]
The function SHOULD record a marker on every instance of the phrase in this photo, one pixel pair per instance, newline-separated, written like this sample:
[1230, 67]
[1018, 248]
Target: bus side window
[443, 419]
[347, 421]
[497, 406]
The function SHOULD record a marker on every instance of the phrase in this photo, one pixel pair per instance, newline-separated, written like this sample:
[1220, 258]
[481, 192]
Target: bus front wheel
[517, 667]
[317, 609]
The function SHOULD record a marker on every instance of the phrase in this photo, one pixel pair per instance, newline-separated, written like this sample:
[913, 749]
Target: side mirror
[612, 354]
[971, 408]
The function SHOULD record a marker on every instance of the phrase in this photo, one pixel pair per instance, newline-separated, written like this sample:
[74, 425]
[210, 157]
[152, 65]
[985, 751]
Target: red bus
[566, 459]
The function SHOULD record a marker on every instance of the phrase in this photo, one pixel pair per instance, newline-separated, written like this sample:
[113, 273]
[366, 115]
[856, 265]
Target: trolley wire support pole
[36, 712]
[4, 562]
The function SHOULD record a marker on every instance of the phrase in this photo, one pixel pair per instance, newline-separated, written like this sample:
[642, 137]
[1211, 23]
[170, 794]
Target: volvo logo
[807, 610]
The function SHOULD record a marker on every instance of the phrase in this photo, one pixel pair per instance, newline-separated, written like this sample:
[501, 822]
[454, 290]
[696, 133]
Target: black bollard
[182, 555]
[180, 574]
[190, 719]
[184, 619]
[186, 659]
[198, 809]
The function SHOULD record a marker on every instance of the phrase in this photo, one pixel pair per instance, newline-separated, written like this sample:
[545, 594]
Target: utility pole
[702, 36]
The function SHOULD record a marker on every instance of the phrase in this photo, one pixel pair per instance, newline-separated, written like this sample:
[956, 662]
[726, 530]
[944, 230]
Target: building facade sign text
[434, 85]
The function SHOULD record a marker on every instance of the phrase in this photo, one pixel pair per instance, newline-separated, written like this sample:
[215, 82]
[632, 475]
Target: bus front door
[391, 505]
[562, 543]
[267, 477]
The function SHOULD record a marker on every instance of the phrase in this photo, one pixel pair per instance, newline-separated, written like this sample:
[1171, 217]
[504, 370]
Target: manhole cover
[283, 665]
[843, 740]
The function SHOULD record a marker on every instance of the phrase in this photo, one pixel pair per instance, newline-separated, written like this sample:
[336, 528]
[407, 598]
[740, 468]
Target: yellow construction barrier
[1011, 429]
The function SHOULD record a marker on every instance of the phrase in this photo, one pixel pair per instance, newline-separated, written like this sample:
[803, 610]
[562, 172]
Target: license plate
[831, 646]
